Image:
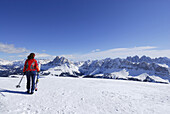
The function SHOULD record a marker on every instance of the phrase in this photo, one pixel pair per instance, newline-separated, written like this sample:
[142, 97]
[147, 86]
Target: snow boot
[28, 91]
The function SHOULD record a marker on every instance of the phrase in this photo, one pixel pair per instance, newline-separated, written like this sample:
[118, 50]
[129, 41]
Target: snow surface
[143, 76]
[58, 95]
[163, 65]
[121, 74]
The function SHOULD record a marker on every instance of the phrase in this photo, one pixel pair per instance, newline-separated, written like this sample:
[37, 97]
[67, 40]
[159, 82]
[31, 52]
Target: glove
[24, 73]
[38, 73]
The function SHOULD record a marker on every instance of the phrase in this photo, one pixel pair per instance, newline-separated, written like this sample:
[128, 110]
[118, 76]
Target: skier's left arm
[36, 66]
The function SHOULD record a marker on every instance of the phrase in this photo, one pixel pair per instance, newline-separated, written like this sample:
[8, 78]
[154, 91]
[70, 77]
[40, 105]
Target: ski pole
[18, 86]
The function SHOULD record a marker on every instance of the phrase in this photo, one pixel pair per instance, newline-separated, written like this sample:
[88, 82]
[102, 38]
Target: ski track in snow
[58, 95]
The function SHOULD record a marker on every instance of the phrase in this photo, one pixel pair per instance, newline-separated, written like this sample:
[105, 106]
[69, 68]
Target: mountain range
[131, 68]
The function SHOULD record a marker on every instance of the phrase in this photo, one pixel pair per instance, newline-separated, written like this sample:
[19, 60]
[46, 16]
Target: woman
[30, 69]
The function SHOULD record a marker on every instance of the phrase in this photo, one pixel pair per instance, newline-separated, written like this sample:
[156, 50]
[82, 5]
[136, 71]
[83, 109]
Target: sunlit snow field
[63, 95]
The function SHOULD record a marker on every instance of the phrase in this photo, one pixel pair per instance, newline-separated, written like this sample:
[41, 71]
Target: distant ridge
[105, 68]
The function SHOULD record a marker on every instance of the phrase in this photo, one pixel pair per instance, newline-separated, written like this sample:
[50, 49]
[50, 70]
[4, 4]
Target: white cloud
[10, 48]
[122, 53]
[96, 50]
[37, 55]
[21, 52]
[150, 51]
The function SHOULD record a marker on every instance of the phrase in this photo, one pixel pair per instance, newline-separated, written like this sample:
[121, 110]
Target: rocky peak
[133, 59]
[145, 59]
[60, 60]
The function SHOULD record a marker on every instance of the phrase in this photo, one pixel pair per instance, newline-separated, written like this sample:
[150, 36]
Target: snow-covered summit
[59, 61]
[160, 60]
[60, 66]
[5, 62]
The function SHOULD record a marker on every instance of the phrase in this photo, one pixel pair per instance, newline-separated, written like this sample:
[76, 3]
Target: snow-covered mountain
[60, 66]
[15, 67]
[118, 68]
[112, 65]
[160, 60]
[5, 62]
[135, 66]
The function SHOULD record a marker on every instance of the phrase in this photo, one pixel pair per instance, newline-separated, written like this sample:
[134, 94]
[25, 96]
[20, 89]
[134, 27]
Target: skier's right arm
[25, 66]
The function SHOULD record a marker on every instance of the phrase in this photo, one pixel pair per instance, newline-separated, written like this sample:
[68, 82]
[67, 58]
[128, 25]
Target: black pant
[31, 80]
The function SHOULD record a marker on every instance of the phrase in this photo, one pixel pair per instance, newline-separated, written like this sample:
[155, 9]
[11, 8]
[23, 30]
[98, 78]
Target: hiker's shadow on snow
[11, 91]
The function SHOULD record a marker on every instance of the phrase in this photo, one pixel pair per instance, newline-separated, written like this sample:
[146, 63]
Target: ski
[38, 76]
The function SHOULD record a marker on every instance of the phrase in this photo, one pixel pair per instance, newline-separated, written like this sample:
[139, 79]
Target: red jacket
[31, 65]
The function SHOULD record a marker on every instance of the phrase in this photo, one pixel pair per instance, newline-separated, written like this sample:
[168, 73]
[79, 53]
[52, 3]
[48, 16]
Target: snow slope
[58, 95]
[58, 70]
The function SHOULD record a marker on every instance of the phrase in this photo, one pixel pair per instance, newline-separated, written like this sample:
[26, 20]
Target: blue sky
[75, 28]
